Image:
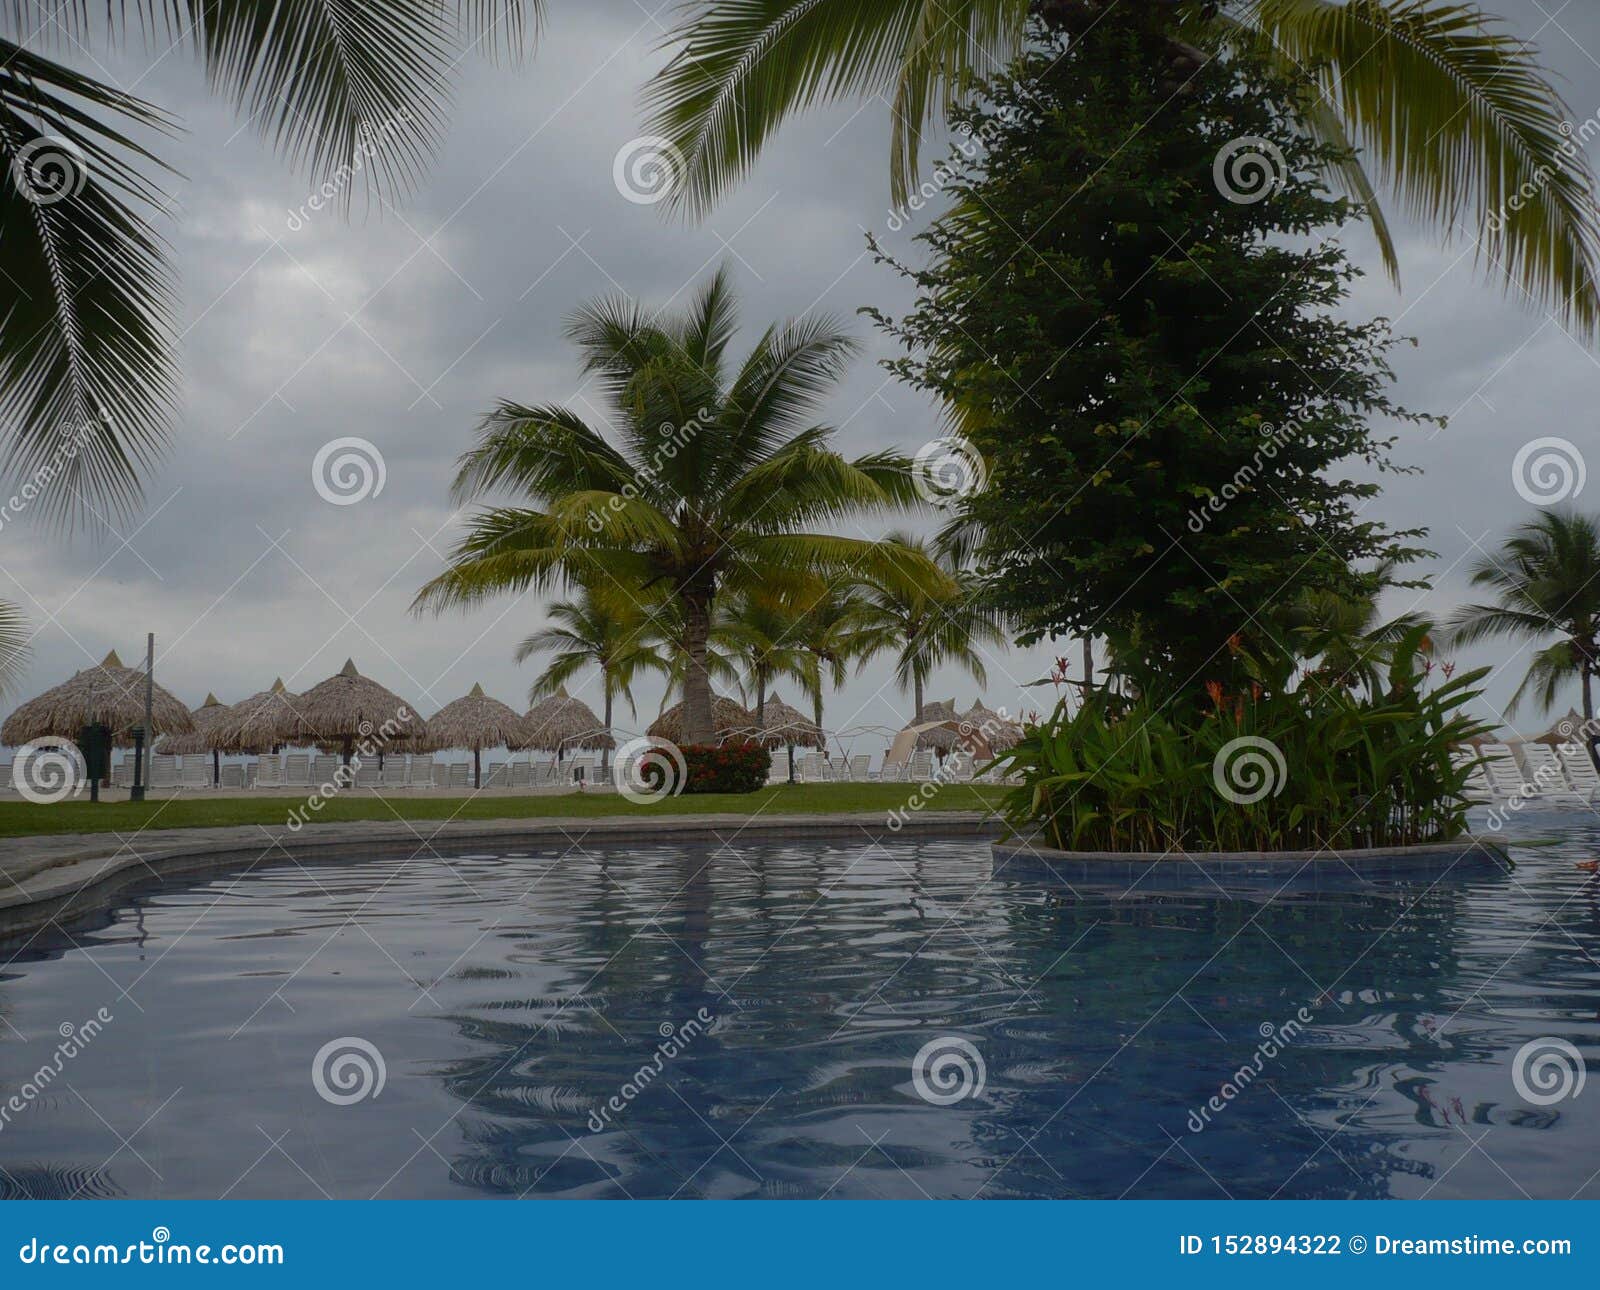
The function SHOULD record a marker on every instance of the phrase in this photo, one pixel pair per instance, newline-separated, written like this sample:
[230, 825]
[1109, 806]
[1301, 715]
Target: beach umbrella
[107, 694]
[347, 707]
[1570, 729]
[788, 728]
[477, 722]
[999, 732]
[727, 717]
[208, 718]
[560, 722]
[257, 724]
[940, 720]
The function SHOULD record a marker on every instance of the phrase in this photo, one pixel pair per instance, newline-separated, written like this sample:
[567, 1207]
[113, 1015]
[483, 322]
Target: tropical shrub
[1270, 767]
[739, 766]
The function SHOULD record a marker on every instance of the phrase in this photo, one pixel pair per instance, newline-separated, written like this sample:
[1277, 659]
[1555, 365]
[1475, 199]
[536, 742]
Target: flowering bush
[739, 766]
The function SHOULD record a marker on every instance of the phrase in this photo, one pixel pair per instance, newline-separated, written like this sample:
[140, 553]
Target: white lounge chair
[920, 770]
[1501, 772]
[421, 773]
[458, 774]
[393, 774]
[580, 770]
[367, 773]
[163, 771]
[323, 768]
[860, 768]
[1548, 776]
[195, 772]
[521, 774]
[233, 775]
[1580, 770]
[269, 772]
[297, 770]
[813, 768]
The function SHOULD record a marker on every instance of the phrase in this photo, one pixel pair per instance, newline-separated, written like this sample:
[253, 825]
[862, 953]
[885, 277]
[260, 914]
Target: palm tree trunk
[1088, 665]
[1589, 740]
[916, 690]
[477, 769]
[816, 714]
[698, 724]
[605, 753]
[761, 699]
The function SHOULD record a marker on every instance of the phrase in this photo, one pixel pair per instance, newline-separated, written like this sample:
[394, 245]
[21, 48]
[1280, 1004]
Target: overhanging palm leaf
[354, 91]
[1454, 113]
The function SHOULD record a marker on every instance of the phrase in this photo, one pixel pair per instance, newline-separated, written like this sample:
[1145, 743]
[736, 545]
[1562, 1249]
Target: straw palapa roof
[107, 693]
[560, 722]
[257, 724]
[999, 732]
[940, 738]
[784, 726]
[475, 721]
[207, 718]
[726, 715]
[349, 706]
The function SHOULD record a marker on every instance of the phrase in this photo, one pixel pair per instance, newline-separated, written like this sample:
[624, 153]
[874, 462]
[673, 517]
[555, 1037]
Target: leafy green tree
[1452, 111]
[830, 628]
[951, 626]
[710, 492]
[761, 631]
[604, 632]
[1157, 384]
[1546, 583]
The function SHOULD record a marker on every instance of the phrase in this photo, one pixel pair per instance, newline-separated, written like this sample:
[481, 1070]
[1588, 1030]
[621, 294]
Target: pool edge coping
[79, 882]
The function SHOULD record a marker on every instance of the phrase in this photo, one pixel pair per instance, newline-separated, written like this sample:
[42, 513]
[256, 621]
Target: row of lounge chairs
[302, 770]
[1556, 776]
[919, 768]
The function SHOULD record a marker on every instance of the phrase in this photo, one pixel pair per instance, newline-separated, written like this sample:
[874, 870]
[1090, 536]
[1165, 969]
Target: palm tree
[760, 631]
[354, 94]
[604, 632]
[1453, 112]
[1345, 633]
[830, 630]
[1546, 583]
[709, 491]
[926, 631]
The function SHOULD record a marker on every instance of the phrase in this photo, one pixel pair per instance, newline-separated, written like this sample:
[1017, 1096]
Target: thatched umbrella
[108, 694]
[999, 732]
[347, 707]
[257, 724]
[788, 728]
[477, 722]
[560, 722]
[1570, 729]
[727, 718]
[209, 717]
[940, 738]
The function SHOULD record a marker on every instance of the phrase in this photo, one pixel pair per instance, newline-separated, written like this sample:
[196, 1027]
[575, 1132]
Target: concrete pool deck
[45, 877]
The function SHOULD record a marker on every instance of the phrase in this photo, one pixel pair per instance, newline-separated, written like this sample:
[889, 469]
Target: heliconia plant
[1282, 763]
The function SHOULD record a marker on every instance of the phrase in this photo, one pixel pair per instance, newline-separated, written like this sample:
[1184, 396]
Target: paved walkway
[56, 871]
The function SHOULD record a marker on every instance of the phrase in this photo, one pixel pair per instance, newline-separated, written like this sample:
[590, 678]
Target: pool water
[746, 1020]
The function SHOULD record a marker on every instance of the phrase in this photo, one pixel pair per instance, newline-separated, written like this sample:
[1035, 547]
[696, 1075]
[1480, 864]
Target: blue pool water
[683, 1020]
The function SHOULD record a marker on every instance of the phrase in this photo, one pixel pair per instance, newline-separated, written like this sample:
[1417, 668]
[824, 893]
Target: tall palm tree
[760, 630]
[925, 631]
[1546, 583]
[709, 491]
[1454, 113]
[605, 632]
[353, 93]
[830, 628]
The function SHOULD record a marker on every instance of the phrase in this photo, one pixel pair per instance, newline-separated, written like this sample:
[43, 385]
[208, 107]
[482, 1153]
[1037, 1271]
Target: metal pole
[136, 793]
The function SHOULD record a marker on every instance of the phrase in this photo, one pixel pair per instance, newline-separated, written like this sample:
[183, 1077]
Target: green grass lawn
[19, 819]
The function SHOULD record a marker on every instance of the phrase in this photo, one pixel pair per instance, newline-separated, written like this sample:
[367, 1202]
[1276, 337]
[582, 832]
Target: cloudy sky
[403, 326]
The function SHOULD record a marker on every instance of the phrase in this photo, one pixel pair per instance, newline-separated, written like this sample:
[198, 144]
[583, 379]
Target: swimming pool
[691, 1020]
